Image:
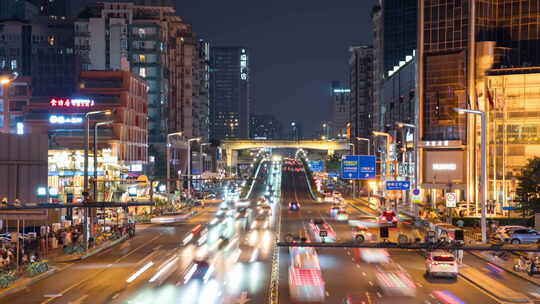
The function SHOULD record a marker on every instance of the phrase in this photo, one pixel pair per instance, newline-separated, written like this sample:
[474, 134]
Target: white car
[441, 263]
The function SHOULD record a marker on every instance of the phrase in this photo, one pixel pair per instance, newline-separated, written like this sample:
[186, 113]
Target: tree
[528, 190]
[333, 163]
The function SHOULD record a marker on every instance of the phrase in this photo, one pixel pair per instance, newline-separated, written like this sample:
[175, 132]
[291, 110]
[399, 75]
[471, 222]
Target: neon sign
[71, 103]
[60, 119]
[243, 65]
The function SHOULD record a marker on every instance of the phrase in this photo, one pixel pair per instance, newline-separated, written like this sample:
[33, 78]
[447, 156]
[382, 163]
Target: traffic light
[458, 235]
[383, 232]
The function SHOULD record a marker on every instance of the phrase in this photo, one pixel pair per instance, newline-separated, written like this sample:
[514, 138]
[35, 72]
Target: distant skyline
[297, 48]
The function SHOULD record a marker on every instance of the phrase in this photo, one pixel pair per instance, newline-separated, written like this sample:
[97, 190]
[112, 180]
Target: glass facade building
[400, 18]
[229, 92]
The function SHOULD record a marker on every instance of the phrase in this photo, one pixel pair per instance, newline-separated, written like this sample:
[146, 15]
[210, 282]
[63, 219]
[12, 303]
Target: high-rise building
[395, 39]
[340, 110]
[54, 8]
[361, 95]
[43, 50]
[460, 42]
[101, 36]
[399, 30]
[265, 127]
[229, 92]
[148, 39]
[201, 89]
[17, 10]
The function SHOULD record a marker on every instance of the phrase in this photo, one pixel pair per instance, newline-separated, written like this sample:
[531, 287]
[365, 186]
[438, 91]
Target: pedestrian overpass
[230, 145]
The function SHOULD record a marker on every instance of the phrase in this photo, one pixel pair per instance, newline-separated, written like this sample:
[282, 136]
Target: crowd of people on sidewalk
[8, 257]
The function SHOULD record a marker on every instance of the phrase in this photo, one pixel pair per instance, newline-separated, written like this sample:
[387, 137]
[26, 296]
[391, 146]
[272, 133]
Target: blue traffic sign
[358, 167]
[332, 174]
[416, 192]
[316, 166]
[398, 185]
[508, 208]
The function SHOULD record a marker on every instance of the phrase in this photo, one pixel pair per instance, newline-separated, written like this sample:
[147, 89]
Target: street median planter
[37, 268]
[6, 278]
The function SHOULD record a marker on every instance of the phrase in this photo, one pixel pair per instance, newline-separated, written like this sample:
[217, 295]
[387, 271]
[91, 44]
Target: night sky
[297, 48]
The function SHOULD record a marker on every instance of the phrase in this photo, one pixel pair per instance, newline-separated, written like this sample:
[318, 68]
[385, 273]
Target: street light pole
[483, 169]
[96, 126]
[189, 163]
[386, 156]
[168, 152]
[201, 155]
[368, 144]
[86, 229]
[353, 152]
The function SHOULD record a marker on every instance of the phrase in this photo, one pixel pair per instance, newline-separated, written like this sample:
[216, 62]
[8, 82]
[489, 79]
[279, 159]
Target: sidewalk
[507, 265]
[23, 282]
[58, 255]
[54, 258]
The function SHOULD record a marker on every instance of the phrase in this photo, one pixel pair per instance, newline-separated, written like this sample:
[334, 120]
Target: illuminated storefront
[66, 174]
[513, 128]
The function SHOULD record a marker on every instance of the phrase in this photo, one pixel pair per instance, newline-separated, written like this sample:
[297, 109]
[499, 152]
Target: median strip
[492, 286]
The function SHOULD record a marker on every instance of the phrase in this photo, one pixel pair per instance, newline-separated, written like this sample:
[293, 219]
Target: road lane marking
[379, 294]
[371, 283]
[363, 273]
[100, 272]
[56, 295]
[146, 258]
[327, 293]
[79, 300]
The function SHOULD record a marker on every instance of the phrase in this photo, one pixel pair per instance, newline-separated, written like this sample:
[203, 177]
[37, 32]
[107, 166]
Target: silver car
[522, 236]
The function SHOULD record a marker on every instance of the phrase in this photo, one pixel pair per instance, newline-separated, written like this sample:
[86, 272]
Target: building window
[142, 58]
[142, 72]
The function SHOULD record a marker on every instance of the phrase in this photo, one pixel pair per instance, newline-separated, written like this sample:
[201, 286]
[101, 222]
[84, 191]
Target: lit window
[141, 32]
[142, 58]
[51, 40]
[142, 72]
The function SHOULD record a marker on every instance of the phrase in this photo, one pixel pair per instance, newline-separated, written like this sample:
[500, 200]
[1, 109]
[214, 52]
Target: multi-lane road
[105, 277]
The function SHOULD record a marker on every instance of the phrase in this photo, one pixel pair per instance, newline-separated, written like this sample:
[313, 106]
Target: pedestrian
[460, 256]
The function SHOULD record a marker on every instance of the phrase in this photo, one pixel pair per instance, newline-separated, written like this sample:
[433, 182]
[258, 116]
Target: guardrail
[273, 295]
[306, 167]
[254, 180]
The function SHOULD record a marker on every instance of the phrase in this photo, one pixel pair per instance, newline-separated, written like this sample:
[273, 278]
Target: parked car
[509, 228]
[521, 236]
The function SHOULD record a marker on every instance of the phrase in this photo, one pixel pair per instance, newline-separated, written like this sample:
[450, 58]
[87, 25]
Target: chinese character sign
[71, 103]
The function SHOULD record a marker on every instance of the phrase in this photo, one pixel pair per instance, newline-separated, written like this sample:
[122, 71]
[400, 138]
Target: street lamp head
[460, 111]
[4, 81]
